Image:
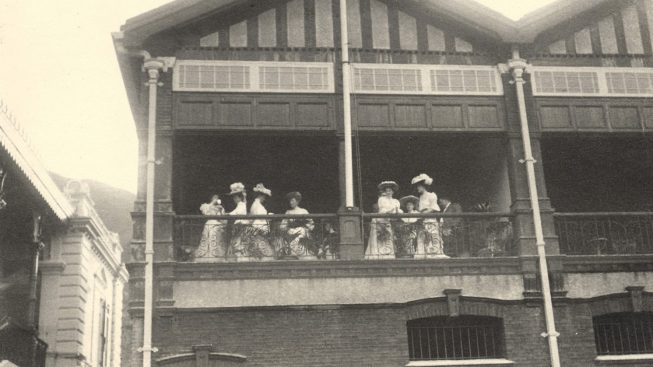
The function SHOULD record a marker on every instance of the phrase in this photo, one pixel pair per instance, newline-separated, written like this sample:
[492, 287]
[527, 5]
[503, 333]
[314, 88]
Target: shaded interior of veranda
[469, 170]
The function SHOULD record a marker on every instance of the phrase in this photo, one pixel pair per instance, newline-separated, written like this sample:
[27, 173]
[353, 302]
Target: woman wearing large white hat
[429, 242]
[257, 237]
[380, 245]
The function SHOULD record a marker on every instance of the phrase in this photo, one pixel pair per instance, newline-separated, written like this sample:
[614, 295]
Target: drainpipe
[152, 66]
[518, 66]
[346, 102]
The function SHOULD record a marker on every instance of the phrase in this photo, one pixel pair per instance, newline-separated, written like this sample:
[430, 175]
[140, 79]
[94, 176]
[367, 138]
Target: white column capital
[153, 65]
[518, 67]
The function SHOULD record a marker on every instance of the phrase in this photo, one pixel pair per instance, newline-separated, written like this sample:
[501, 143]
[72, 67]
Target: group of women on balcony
[250, 238]
[421, 236]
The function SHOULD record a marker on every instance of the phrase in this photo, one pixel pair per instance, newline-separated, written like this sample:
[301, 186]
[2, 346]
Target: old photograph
[326, 183]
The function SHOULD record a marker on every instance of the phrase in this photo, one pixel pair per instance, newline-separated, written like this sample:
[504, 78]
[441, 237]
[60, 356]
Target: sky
[60, 77]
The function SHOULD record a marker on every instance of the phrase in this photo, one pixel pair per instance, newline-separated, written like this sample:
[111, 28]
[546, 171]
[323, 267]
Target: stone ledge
[464, 362]
[346, 268]
[625, 359]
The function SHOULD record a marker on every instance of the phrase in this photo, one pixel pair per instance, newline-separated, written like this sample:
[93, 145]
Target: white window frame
[254, 72]
[601, 73]
[461, 362]
[427, 88]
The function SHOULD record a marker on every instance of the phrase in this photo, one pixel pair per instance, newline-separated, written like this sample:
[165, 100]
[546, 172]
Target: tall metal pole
[518, 66]
[346, 102]
[152, 66]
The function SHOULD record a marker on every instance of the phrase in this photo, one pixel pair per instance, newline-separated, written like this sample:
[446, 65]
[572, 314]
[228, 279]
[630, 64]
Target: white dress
[236, 247]
[257, 237]
[380, 245]
[212, 245]
[429, 241]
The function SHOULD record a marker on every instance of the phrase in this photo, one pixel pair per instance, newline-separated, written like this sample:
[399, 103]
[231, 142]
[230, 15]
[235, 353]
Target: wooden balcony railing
[20, 345]
[444, 235]
[615, 233]
[316, 237]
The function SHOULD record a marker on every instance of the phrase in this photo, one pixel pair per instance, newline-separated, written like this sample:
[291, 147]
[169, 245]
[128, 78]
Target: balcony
[316, 237]
[605, 233]
[20, 345]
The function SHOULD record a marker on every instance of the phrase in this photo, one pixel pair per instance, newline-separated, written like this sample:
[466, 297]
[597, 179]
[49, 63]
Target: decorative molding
[345, 268]
[12, 139]
[607, 263]
[636, 298]
[453, 301]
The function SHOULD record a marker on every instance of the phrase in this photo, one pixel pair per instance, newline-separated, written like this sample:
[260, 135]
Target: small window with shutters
[426, 79]
[248, 76]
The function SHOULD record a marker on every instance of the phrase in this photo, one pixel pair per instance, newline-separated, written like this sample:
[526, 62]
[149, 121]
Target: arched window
[450, 338]
[624, 333]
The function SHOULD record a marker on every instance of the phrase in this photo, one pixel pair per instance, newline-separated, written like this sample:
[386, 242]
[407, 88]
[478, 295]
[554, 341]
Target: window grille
[458, 338]
[247, 76]
[591, 81]
[624, 333]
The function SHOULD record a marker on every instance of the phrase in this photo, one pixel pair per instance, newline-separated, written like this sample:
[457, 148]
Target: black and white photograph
[326, 183]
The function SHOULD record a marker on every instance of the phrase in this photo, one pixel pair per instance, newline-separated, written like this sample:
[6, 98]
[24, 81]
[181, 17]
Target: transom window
[455, 338]
[592, 81]
[252, 76]
[416, 79]
[624, 333]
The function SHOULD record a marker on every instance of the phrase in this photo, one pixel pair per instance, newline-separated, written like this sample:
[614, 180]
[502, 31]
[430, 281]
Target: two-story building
[540, 129]
[61, 273]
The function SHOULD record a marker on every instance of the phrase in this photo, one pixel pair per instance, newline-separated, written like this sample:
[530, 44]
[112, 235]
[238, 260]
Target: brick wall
[366, 336]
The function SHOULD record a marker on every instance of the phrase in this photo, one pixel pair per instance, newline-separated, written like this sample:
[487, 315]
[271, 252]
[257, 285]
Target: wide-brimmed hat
[422, 179]
[236, 188]
[260, 189]
[393, 185]
[294, 195]
[408, 199]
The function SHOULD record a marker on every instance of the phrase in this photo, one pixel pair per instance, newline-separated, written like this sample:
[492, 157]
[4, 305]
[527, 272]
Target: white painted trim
[601, 73]
[625, 357]
[27, 161]
[463, 362]
[425, 70]
[254, 73]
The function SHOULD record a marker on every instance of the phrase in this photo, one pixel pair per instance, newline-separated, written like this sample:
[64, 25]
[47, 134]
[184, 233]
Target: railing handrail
[250, 217]
[602, 214]
[333, 215]
[440, 215]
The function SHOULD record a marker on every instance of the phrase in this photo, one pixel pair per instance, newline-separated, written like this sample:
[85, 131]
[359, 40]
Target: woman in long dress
[211, 246]
[237, 250]
[297, 232]
[429, 241]
[380, 245]
[257, 235]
